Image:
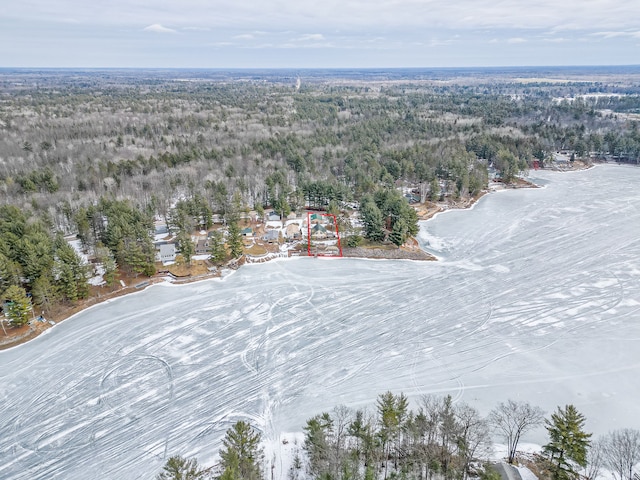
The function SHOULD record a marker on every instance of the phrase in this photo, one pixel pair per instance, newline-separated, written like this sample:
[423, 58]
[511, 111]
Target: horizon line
[321, 68]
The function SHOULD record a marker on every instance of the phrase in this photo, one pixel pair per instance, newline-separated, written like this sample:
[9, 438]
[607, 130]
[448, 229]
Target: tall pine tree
[568, 444]
[241, 456]
[17, 306]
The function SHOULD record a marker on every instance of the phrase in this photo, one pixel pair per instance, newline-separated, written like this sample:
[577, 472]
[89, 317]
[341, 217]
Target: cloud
[514, 40]
[309, 37]
[556, 40]
[616, 34]
[334, 15]
[157, 28]
[244, 36]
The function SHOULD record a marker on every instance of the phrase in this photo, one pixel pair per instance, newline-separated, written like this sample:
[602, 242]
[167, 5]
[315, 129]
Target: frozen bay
[536, 297]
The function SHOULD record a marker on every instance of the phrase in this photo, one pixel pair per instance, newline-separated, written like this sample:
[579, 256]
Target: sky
[318, 33]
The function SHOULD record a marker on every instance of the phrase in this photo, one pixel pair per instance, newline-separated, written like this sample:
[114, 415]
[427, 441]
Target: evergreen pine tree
[241, 455]
[398, 233]
[235, 239]
[180, 468]
[186, 246]
[372, 220]
[17, 306]
[568, 442]
[217, 249]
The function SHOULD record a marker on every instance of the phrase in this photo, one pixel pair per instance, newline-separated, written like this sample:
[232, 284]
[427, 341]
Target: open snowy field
[536, 297]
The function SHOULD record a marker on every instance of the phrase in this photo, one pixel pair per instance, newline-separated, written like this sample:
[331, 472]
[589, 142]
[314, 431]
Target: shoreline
[410, 251]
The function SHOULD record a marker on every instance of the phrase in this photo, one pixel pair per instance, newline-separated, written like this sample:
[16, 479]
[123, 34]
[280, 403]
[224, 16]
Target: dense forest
[100, 154]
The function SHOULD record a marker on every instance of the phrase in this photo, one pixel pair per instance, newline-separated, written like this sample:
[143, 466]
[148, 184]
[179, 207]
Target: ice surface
[536, 297]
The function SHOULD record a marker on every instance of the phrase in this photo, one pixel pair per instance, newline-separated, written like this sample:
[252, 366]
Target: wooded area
[100, 154]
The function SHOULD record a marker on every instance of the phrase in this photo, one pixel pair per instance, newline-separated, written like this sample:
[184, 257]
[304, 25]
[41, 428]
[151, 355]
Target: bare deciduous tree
[512, 420]
[622, 452]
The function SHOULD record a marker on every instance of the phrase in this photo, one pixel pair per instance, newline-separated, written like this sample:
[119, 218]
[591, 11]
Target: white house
[167, 253]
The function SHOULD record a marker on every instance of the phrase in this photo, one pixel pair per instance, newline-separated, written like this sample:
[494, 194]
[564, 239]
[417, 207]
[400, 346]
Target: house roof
[318, 228]
[167, 249]
[272, 234]
[293, 228]
[246, 231]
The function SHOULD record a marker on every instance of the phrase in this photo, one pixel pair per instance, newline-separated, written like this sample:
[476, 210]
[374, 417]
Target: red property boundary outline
[335, 223]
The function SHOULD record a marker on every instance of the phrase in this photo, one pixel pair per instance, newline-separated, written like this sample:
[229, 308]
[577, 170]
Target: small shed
[247, 232]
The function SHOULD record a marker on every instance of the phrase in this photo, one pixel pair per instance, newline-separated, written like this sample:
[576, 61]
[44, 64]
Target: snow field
[536, 298]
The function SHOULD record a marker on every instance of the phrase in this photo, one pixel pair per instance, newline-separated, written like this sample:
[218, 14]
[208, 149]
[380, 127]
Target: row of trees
[441, 439]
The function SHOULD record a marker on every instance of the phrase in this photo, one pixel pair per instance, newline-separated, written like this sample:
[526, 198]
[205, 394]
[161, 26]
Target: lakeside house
[271, 236]
[202, 247]
[293, 232]
[167, 253]
[319, 231]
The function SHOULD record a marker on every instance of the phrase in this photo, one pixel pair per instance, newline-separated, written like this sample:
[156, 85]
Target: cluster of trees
[37, 266]
[442, 439]
[386, 215]
[241, 458]
[123, 229]
[448, 440]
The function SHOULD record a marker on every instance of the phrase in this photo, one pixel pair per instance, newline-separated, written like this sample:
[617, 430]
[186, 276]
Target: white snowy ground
[536, 297]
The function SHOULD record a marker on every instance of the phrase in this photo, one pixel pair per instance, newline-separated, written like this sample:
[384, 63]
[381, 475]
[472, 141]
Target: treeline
[442, 440]
[151, 140]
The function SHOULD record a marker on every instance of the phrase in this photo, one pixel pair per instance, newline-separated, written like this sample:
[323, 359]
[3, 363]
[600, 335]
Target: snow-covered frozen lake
[536, 297]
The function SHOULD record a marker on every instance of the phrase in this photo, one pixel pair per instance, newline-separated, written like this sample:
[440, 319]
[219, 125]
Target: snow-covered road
[536, 297]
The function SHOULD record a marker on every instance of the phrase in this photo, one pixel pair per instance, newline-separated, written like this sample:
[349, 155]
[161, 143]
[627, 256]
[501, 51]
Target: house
[167, 253]
[272, 236]
[247, 232]
[318, 231]
[293, 231]
[202, 247]
[161, 229]
[273, 217]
